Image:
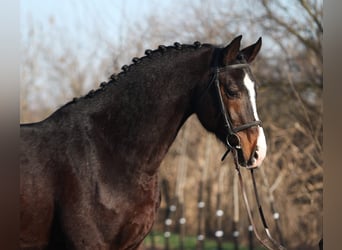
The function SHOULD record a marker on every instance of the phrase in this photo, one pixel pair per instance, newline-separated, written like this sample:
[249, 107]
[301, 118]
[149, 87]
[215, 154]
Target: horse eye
[231, 91]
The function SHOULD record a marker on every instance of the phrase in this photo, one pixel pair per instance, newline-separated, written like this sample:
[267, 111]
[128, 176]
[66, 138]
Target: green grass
[189, 243]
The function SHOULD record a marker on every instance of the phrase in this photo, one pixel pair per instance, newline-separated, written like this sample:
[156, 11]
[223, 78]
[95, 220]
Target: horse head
[229, 108]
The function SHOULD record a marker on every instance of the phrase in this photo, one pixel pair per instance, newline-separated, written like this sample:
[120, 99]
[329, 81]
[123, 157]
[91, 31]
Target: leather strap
[269, 241]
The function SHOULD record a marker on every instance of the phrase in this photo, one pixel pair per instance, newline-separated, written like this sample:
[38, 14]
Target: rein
[233, 144]
[269, 242]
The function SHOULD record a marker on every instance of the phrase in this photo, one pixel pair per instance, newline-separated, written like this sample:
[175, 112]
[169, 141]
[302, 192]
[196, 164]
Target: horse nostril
[256, 155]
[254, 158]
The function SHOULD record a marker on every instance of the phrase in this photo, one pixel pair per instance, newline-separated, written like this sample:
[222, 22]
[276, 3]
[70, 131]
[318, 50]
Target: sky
[84, 24]
[111, 17]
[72, 14]
[70, 11]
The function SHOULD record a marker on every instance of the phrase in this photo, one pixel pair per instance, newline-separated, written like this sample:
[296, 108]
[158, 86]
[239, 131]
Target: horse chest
[129, 216]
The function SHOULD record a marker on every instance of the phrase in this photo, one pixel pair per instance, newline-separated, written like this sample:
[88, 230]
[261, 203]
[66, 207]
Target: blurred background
[70, 47]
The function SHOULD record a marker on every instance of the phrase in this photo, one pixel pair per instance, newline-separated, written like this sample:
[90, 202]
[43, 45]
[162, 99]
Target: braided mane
[125, 69]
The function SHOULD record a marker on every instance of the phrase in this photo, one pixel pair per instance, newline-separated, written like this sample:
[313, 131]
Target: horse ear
[231, 51]
[250, 52]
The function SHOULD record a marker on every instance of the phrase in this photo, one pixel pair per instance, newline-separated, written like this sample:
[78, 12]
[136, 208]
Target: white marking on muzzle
[261, 142]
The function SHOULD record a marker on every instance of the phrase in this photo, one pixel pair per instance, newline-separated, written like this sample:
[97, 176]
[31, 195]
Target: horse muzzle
[259, 153]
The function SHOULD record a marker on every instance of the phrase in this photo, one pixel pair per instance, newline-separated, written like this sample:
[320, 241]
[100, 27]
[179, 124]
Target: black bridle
[233, 144]
[232, 139]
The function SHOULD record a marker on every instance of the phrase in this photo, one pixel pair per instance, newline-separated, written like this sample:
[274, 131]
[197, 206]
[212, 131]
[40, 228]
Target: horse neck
[138, 119]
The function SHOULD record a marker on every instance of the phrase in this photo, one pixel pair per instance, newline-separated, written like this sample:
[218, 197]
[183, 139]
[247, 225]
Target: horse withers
[89, 172]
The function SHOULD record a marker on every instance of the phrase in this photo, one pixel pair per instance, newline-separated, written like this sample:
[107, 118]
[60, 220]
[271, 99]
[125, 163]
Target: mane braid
[125, 69]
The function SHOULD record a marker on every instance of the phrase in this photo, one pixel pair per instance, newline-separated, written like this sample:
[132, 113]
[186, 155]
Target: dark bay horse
[89, 172]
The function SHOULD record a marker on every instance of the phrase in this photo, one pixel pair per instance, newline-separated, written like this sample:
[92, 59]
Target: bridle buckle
[233, 141]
